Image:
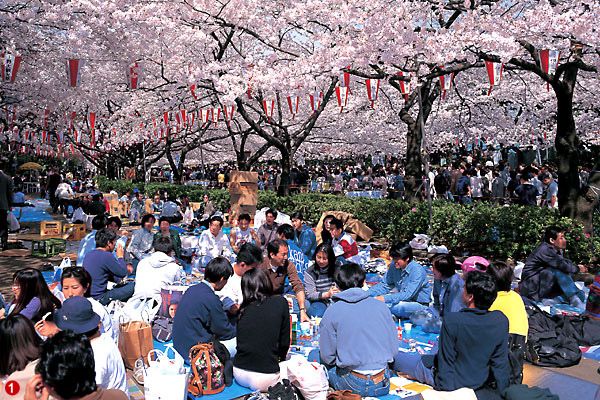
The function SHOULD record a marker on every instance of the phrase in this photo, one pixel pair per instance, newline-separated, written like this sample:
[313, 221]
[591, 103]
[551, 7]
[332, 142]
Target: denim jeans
[412, 364]
[404, 309]
[342, 379]
[317, 309]
[567, 285]
[122, 293]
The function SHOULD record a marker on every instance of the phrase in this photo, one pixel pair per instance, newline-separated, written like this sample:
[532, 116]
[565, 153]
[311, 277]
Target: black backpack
[550, 342]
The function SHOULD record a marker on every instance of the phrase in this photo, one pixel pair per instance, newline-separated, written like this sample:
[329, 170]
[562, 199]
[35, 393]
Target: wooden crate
[50, 228]
[75, 232]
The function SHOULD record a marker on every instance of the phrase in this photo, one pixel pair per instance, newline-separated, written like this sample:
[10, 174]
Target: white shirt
[110, 370]
[232, 289]
[212, 246]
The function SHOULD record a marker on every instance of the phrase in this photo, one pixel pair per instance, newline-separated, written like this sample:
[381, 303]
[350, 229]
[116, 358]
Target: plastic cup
[407, 327]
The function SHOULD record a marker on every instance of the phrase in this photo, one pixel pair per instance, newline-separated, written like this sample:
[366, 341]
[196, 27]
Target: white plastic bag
[79, 215]
[166, 378]
[420, 241]
[142, 308]
[309, 377]
[13, 223]
[188, 216]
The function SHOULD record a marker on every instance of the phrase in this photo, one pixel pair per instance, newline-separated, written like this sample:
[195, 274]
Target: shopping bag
[135, 341]
[309, 377]
[166, 378]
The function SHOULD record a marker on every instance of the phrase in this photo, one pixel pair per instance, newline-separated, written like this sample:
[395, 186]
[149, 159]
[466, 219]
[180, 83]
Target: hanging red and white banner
[10, 66]
[404, 85]
[293, 105]
[215, 115]
[372, 90]
[193, 91]
[341, 93]
[133, 75]
[268, 107]
[73, 71]
[166, 118]
[549, 62]
[228, 112]
[315, 100]
[92, 123]
[494, 72]
[446, 83]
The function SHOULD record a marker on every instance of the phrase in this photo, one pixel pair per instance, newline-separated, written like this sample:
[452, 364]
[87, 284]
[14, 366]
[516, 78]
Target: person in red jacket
[343, 244]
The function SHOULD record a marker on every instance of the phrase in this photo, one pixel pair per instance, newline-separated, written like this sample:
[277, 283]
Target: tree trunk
[286, 167]
[414, 162]
[567, 147]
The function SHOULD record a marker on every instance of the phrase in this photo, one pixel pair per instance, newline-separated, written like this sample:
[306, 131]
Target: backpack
[207, 375]
[549, 342]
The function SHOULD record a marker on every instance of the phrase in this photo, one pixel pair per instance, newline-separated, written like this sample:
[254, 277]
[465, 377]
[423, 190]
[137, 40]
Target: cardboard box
[76, 232]
[249, 198]
[243, 176]
[50, 228]
[242, 187]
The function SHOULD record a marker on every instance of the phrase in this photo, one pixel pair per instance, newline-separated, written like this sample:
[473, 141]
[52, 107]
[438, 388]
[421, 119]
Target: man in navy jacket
[473, 346]
[200, 315]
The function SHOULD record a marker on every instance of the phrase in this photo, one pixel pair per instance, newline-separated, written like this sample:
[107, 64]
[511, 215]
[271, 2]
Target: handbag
[162, 329]
[207, 375]
[135, 341]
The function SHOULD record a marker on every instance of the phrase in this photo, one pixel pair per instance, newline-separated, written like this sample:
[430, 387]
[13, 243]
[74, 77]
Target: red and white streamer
[341, 93]
[74, 71]
[372, 90]
[268, 107]
[293, 105]
[315, 100]
[494, 72]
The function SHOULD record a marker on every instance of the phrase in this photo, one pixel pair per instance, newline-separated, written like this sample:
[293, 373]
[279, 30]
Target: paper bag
[135, 341]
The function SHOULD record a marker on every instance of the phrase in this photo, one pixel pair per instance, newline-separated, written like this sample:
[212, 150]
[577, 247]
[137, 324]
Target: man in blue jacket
[405, 288]
[358, 337]
[473, 345]
[200, 315]
[304, 236]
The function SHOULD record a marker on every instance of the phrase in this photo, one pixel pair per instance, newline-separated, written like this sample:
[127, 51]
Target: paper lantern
[73, 71]
[293, 105]
[228, 112]
[315, 100]
[341, 93]
[10, 66]
[494, 72]
[268, 107]
[204, 115]
[133, 73]
[215, 115]
[446, 83]
[345, 79]
[92, 122]
[191, 119]
[193, 91]
[549, 62]
[372, 90]
[166, 118]
[404, 85]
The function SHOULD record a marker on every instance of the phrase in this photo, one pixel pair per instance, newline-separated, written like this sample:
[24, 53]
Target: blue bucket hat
[77, 315]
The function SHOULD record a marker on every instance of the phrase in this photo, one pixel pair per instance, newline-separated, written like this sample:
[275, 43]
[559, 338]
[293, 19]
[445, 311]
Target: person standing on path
[6, 188]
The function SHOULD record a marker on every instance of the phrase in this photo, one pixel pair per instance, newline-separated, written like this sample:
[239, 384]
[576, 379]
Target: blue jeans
[567, 285]
[317, 309]
[122, 293]
[405, 309]
[412, 364]
[342, 379]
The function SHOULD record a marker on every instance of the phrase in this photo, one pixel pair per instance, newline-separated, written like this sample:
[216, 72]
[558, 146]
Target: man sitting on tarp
[547, 276]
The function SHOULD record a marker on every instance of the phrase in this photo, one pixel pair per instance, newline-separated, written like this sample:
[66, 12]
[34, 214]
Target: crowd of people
[248, 276]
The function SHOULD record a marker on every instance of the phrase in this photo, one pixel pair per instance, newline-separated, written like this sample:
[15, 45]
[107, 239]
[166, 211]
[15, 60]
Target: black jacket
[473, 347]
[537, 279]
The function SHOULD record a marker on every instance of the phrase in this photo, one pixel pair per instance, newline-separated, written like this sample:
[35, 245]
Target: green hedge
[483, 229]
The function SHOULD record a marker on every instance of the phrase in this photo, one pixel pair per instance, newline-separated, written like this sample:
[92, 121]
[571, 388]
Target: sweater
[357, 332]
[278, 276]
[316, 282]
[512, 306]
[103, 267]
[156, 272]
[199, 317]
[473, 344]
[263, 336]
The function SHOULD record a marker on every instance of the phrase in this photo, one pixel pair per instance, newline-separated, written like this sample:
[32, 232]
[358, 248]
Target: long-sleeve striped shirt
[316, 282]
